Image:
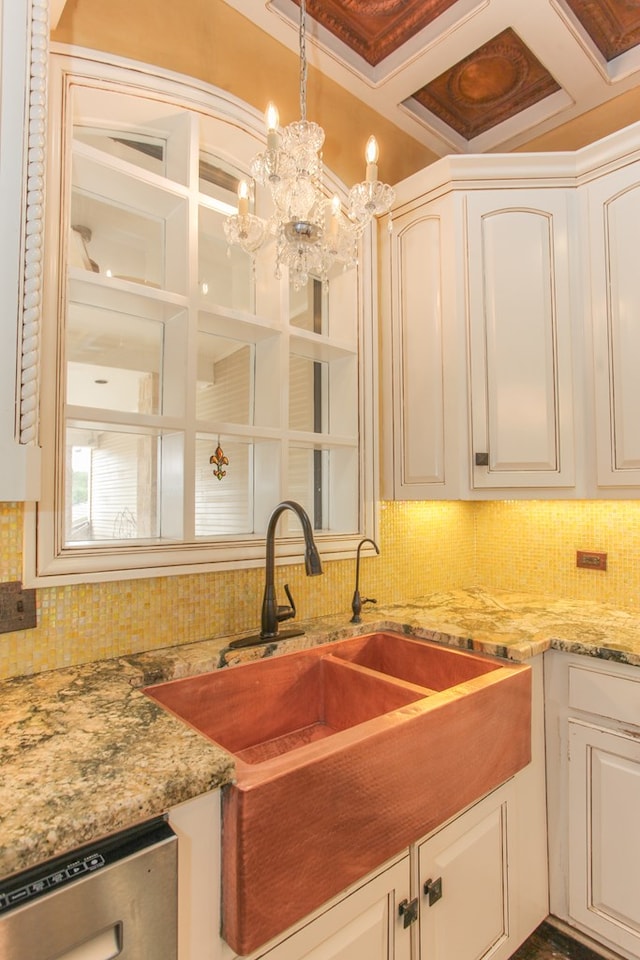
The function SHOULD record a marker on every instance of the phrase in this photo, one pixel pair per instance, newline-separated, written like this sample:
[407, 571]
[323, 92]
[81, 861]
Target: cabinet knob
[482, 459]
[408, 910]
[433, 890]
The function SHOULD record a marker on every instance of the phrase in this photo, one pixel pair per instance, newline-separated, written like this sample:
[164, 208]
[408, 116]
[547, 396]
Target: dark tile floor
[547, 943]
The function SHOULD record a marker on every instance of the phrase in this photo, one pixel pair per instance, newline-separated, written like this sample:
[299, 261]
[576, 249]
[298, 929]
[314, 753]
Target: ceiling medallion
[311, 230]
[489, 78]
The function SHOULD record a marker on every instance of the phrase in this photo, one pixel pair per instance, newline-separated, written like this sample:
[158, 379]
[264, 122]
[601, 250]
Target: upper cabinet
[519, 312]
[614, 236]
[422, 331]
[510, 294]
[478, 383]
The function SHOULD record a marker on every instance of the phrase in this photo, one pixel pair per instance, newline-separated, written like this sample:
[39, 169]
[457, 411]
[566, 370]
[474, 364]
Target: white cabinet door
[520, 339]
[614, 226]
[365, 925]
[604, 841]
[423, 355]
[468, 858]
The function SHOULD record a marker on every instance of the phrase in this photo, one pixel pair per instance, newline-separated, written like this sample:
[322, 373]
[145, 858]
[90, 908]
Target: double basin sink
[345, 754]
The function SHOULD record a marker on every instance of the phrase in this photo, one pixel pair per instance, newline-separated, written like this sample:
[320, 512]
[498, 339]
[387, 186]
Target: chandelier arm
[303, 60]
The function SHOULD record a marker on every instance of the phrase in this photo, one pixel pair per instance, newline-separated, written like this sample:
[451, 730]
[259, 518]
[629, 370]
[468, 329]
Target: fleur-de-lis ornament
[220, 461]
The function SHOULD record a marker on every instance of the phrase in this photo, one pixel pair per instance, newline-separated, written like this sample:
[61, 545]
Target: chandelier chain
[303, 60]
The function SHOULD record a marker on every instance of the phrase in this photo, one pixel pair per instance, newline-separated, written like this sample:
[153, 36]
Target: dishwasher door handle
[106, 945]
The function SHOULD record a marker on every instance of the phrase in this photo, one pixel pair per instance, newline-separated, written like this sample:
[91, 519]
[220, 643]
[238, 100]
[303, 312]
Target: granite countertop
[85, 753]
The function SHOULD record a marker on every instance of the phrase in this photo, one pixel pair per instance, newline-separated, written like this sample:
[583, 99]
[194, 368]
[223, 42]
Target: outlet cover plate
[591, 560]
[17, 607]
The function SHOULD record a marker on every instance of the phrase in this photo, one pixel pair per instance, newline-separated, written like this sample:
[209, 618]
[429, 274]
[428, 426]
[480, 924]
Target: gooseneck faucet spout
[272, 612]
[357, 602]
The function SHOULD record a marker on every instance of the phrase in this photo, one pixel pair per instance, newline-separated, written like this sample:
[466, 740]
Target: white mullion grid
[269, 441]
[63, 157]
[189, 498]
[285, 399]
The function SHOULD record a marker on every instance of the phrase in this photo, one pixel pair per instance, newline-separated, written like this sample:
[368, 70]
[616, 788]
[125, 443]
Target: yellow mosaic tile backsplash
[425, 547]
[531, 546]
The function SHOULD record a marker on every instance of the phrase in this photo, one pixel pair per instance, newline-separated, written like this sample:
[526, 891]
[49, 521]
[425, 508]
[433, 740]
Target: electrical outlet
[590, 560]
[17, 607]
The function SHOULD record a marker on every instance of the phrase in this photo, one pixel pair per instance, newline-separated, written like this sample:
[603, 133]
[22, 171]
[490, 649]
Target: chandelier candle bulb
[371, 155]
[243, 198]
[273, 121]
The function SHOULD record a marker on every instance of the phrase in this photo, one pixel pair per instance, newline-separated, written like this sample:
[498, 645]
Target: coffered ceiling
[467, 75]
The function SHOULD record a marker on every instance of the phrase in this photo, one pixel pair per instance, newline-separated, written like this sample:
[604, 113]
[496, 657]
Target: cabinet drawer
[606, 694]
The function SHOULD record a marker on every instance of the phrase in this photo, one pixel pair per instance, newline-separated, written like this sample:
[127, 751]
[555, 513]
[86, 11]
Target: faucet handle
[286, 612]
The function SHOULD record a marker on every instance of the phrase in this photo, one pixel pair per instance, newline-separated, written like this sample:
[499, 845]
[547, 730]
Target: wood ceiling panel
[537, 73]
[613, 25]
[375, 28]
[492, 84]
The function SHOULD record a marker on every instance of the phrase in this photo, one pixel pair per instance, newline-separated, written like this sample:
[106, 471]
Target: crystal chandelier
[310, 229]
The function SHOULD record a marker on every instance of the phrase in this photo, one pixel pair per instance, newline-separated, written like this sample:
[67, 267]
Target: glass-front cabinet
[195, 388]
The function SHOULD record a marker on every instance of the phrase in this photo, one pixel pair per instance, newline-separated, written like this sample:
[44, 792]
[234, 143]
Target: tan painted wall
[591, 126]
[209, 40]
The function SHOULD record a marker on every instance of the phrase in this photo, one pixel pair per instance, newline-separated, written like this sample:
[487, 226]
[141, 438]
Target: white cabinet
[593, 727]
[520, 350]
[366, 924]
[464, 883]
[614, 237]
[604, 795]
[478, 320]
[423, 347]
[510, 336]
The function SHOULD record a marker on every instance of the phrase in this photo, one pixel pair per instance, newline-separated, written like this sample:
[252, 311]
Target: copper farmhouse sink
[270, 707]
[345, 754]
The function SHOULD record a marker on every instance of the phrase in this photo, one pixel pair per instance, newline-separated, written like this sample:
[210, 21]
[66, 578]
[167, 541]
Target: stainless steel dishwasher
[114, 898]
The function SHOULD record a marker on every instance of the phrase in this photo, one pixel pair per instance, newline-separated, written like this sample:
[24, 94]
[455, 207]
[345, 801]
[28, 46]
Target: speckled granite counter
[84, 753]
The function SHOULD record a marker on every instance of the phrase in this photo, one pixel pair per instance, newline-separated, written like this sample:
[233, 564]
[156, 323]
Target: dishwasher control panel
[24, 891]
[116, 897]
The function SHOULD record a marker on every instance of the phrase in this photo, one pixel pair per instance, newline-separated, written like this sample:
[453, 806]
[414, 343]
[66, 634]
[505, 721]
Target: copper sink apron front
[293, 837]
